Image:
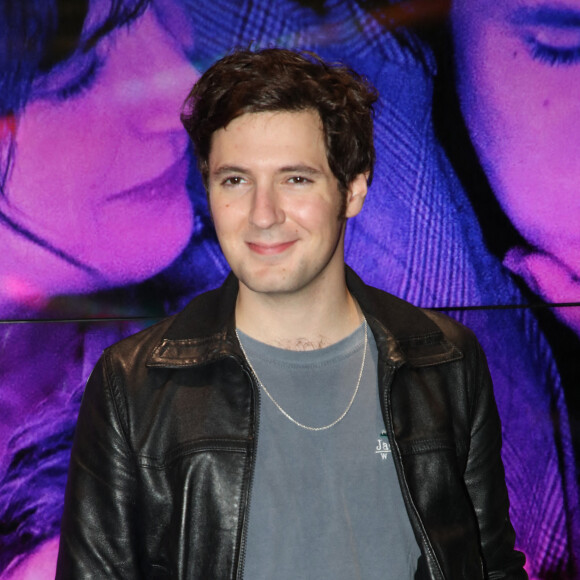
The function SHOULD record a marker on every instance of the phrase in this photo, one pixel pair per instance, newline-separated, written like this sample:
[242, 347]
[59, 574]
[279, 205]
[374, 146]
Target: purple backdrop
[104, 225]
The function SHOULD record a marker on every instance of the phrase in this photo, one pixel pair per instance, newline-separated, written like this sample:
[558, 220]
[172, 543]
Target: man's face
[276, 204]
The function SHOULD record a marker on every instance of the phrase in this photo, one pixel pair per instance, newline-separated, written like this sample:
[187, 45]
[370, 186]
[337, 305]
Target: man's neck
[298, 321]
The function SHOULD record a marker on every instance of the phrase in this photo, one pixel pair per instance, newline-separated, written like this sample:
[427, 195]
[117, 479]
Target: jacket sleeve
[485, 479]
[98, 534]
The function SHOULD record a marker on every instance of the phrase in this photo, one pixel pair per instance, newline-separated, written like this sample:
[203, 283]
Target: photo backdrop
[473, 210]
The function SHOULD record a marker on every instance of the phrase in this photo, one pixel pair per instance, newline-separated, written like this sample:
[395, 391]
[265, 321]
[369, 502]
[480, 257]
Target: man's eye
[299, 180]
[233, 180]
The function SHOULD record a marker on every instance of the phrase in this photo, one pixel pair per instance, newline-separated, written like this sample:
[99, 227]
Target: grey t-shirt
[324, 504]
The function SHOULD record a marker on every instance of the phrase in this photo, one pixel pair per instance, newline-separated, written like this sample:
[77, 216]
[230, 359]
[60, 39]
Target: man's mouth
[271, 249]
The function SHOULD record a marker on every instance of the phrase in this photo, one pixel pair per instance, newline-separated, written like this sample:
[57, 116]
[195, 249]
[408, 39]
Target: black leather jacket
[162, 463]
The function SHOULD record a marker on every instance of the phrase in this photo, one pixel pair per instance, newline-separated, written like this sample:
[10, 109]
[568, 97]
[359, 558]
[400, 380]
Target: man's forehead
[256, 116]
[270, 133]
[274, 142]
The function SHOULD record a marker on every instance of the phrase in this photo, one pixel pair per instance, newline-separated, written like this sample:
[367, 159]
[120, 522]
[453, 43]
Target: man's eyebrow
[224, 169]
[305, 169]
[300, 168]
[556, 15]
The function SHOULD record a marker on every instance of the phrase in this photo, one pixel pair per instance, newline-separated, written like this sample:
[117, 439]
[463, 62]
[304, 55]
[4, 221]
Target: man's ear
[355, 195]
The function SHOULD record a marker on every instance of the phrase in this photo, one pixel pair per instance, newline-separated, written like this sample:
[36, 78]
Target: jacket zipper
[246, 511]
[399, 464]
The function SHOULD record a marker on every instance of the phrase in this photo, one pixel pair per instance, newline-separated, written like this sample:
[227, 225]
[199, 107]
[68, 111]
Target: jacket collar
[403, 333]
[204, 331]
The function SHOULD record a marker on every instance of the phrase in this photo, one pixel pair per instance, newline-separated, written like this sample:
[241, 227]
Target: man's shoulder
[423, 335]
[143, 340]
[403, 319]
[453, 330]
[205, 317]
[447, 324]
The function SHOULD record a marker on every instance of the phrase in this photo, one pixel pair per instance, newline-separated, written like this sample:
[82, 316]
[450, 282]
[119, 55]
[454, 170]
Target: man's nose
[266, 210]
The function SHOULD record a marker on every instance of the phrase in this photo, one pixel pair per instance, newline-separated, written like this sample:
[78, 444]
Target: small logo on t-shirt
[383, 447]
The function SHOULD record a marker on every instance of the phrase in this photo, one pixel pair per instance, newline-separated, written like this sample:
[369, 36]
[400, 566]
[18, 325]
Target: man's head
[280, 80]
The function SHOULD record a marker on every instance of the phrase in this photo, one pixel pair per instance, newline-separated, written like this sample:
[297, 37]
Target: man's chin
[271, 284]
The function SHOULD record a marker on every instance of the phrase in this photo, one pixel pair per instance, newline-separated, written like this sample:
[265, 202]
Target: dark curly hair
[276, 79]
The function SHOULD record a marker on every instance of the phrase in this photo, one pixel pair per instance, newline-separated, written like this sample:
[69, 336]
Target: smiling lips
[270, 249]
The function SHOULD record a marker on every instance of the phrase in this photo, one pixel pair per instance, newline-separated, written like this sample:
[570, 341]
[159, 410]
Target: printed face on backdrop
[100, 167]
[276, 203]
[518, 68]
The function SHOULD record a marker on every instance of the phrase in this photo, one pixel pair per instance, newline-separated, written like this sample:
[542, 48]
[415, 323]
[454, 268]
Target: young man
[294, 423]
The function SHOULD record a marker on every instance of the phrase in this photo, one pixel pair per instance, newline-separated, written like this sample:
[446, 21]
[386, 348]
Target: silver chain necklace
[278, 406]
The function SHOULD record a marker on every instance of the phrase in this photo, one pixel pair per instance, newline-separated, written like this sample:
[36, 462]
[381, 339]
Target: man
[294, 423]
